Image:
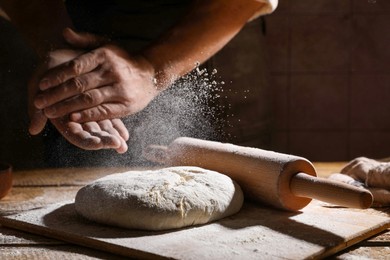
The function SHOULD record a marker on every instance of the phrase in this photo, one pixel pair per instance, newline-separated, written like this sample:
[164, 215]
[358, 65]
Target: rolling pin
[284, 181]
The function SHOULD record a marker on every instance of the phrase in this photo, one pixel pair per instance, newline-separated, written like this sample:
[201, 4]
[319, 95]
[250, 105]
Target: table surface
[38, 188]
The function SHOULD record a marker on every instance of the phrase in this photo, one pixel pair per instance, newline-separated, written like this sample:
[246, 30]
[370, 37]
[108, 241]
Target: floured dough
[370, 174]
[160, 199]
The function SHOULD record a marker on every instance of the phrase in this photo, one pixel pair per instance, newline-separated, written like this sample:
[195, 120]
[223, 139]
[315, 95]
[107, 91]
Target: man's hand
[104, 83]
[104, 134]
[107, 82]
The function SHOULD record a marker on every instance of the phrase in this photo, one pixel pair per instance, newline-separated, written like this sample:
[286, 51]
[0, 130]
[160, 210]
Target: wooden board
[254, 233]
[64, 176]
[29, 198]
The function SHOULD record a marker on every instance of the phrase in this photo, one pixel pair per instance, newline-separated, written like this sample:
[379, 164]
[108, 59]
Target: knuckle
[86, 115]
[99, 98]
[93, 97]
[104, 110]
[105, 52]
[128, 98]
[88, 98]
[76, 66]
[65, 89]
[60, 77]
[79, 85]
[114, 73]
[89, 114]
[105, 125]
[127, 104]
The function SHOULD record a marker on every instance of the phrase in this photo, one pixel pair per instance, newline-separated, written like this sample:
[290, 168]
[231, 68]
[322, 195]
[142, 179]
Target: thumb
[37, 118]
[37, 123]
[83, 40]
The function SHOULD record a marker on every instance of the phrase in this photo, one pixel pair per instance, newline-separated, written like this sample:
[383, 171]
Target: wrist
[161, 76]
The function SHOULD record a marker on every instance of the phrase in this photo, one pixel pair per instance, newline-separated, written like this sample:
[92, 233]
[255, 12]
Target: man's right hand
[105, 134]
[105, 82]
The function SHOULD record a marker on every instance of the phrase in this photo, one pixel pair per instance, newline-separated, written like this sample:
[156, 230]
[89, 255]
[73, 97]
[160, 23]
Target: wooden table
[39, 188]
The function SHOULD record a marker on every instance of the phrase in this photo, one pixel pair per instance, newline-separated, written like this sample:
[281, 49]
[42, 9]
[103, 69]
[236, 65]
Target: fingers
[37, 118]
[94, 135]
[70, 88]
[93, 105]
[80, 65]
[86, 100]
[37, 122]
[100, 112]
[115, 130]
[77, 136]
[109, 139]
[121, 128]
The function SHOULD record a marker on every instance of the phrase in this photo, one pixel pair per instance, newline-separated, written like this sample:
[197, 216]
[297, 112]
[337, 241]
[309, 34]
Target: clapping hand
[91, 135]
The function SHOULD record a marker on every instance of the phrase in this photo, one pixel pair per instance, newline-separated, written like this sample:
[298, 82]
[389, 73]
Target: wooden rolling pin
[285, 181]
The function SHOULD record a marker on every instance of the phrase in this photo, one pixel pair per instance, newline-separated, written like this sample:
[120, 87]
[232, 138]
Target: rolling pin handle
[338, 193]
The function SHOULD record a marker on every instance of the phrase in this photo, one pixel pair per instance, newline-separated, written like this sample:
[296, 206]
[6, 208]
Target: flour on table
[161, 199]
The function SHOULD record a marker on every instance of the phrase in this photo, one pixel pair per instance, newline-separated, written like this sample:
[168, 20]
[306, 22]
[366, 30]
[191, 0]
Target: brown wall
[330, 76]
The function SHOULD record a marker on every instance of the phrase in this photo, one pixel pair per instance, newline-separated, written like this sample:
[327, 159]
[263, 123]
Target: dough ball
[371, 172]
[161, 199]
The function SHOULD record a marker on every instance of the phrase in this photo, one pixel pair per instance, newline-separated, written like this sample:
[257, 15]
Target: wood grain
[30, 194]
[63, 176]
[318, 231]
[23, 199]
[51, 252]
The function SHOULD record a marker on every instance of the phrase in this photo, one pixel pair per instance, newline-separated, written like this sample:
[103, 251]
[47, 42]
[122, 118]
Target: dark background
[328, 68]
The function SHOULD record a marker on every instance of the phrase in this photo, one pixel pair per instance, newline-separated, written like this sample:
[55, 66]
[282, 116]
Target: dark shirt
[135, 22]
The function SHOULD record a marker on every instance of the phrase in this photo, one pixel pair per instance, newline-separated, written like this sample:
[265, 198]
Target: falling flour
[190, 107]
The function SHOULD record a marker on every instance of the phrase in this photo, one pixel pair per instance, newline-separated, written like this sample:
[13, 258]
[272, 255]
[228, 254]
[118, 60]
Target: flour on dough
[161, 199]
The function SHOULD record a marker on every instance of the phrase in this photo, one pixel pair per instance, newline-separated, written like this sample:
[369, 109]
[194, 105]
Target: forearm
[41, 22]
[207, 27]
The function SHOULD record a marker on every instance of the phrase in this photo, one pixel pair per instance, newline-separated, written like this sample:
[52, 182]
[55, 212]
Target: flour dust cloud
[190, 107]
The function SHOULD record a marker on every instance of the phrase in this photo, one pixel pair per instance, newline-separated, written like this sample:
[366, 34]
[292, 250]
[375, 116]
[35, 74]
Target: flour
[190, 107]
